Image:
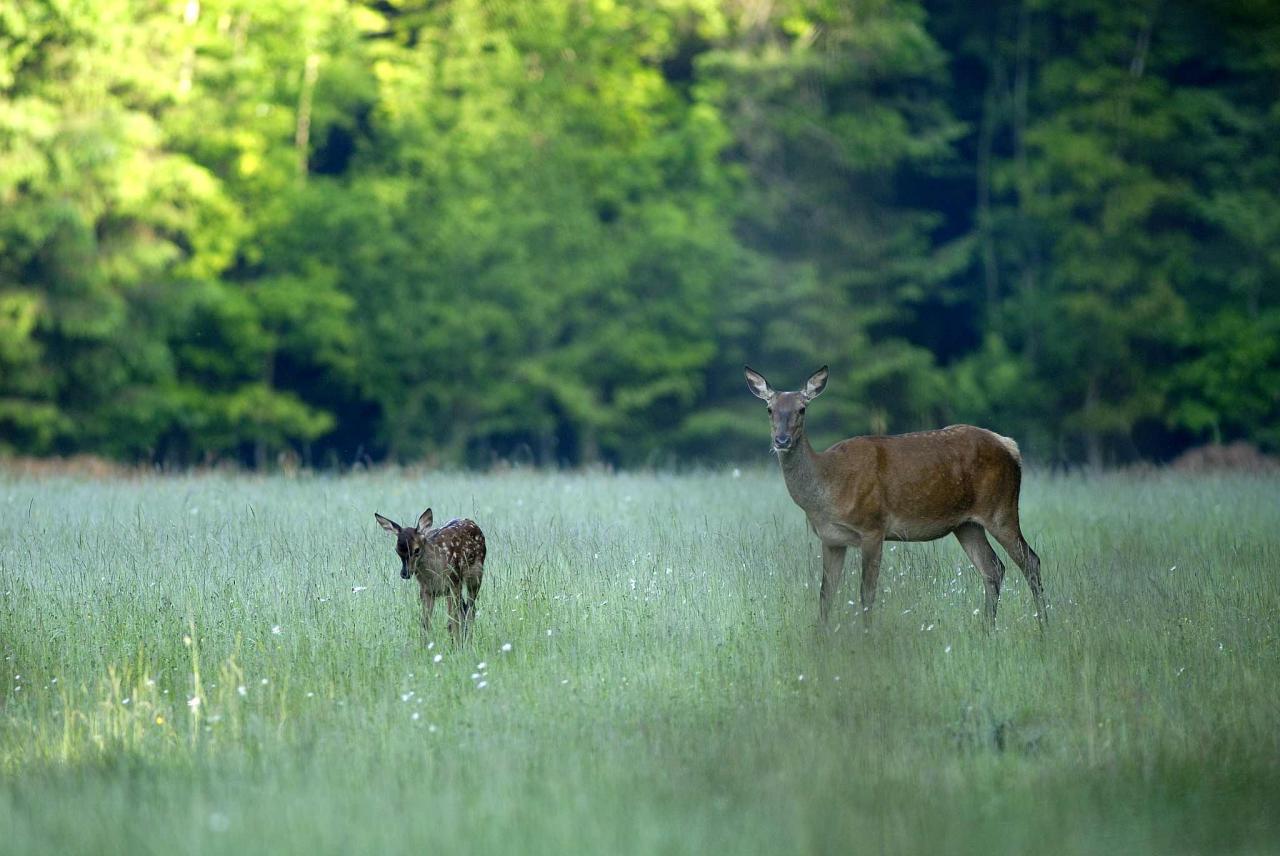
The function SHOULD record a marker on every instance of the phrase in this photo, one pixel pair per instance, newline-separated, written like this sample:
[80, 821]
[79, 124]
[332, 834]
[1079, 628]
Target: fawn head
[411, 542]
[786, 409]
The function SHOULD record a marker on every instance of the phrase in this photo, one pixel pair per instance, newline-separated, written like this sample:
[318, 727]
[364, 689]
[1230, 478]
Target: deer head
[786, 409]
[411, 542]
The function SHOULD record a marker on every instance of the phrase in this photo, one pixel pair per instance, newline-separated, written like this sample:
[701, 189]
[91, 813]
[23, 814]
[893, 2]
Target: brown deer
[448, 561]
[912, 487]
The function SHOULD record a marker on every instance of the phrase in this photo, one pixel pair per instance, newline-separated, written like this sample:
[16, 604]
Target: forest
[553, 231]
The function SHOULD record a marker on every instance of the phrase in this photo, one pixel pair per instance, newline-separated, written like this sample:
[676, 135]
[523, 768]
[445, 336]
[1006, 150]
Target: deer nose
[782, 440]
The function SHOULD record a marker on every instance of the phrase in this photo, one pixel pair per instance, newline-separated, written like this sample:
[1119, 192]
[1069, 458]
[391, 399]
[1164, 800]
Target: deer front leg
[428, 604]
[832, 571]
[871, 550]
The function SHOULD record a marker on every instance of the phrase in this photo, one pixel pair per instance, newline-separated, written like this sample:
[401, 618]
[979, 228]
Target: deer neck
[803, 478]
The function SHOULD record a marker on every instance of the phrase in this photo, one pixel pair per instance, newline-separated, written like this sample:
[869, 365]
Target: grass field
[215, 664]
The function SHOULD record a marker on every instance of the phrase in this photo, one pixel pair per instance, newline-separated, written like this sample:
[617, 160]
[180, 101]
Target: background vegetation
[549, 230]
[231, 665]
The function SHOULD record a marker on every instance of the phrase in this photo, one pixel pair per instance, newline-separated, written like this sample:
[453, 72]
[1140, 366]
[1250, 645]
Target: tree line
[554, 230]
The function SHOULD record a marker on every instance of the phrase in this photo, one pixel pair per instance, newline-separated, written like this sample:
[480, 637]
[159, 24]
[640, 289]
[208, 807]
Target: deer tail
[1011, 446]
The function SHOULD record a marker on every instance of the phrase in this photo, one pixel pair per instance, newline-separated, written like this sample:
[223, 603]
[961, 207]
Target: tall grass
[216, 664]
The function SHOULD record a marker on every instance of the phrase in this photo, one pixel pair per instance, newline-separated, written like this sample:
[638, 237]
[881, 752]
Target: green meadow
[231, 664]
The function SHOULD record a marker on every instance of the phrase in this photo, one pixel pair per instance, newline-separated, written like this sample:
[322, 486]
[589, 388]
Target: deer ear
[816, 383]
[757, 384]
[424, 520]
[387, 524]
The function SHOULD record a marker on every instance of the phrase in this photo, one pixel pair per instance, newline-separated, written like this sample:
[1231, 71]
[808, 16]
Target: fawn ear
[816, 383]
[424, 520]
[387, 524]
[757, 384]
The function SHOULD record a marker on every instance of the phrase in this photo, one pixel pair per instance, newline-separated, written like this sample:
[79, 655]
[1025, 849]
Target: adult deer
[912, 487]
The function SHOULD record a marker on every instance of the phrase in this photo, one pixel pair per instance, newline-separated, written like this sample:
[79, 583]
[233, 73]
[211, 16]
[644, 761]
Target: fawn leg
[455, 613]
[428, 604]
[473, 580]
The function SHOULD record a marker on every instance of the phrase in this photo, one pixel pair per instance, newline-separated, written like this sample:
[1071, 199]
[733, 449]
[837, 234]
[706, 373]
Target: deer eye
[770, 408]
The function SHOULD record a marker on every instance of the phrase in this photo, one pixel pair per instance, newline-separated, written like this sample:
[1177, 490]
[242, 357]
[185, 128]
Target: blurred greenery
[553, 231]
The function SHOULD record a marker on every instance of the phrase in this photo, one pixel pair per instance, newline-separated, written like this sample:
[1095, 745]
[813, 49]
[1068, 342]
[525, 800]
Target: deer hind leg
[976, 546]
[469, 591]
[832, 571]
[872, 547]
[455, 613]
[1009, 534]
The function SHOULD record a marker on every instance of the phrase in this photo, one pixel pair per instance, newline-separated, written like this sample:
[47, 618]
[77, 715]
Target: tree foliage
[554, 231]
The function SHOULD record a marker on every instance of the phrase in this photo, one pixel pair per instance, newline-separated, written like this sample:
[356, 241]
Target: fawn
[448, 561]
[960, 480]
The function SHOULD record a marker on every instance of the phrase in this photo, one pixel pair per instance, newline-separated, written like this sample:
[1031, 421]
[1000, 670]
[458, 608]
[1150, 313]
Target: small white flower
[475, 676]
[482, 666]
[737, 473]
[186, 640]
[193, 702]
[124, 701]
[263, 682]
[565, 681]
[801, 678]
[242, 691]
[548, 631]
[947, 650]
[406, 696]
[431, 728]
[358, 589]
[482, 685]
[437, 658]
[311, 695]
[506, 646]
[276, 630]
[415, 716]
[430, 645]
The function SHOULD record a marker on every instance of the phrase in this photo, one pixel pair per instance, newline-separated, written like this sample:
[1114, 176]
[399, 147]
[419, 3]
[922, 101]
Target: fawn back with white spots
[863, 491]
[448, 562]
